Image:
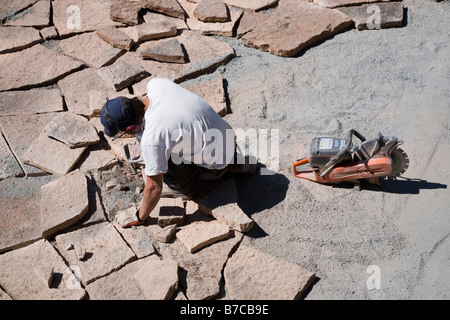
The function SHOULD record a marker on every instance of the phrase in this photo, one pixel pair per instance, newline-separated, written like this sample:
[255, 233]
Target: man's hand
[128, 218]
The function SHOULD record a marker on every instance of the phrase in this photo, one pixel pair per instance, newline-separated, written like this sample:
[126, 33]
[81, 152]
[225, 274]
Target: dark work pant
[189, 178]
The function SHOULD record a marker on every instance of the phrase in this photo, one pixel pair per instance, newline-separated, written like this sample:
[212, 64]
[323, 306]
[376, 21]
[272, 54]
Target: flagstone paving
[62, 179]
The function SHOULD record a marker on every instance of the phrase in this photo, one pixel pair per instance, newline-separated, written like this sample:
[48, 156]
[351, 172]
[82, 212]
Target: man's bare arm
[152, 194]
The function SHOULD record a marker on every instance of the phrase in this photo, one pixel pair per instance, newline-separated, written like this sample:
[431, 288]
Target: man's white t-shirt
[181, 125]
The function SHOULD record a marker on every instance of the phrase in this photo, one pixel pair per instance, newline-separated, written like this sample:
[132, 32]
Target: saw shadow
[401, 185]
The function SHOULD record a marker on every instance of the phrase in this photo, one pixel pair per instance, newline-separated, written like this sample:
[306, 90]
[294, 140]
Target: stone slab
[21, 283]
[155, 30]
[51, 155]
[30, 101]
[63, 202]
[205, 55]
[49, 33]
[154, 17]
[295, 26]
[201, 280]
[252, 5]
[10, 8]
[121, 284]
[120, 74]
[116, 38]
[105, 250]
[20, 131]
[198, 235]
[211, 11]
[125, 11]
[95, 158]
[254, 275]
[73, 130]
[340, 3]
[158, 279]
[209, 88]
[38, 16]
[90, 49]
[391, 15]
[168, 7]
[211, 28]
[164, 51]
[71, 17]
[17, 38]
[9, 167]
[221, 203]
[41, 66]
[20, 200]
[94, 88]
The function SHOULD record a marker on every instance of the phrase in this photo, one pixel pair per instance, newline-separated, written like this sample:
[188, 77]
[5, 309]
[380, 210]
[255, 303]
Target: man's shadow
[260, 192]
[255, 193]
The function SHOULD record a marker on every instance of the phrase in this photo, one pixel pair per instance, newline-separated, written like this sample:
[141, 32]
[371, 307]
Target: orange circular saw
[334, 160]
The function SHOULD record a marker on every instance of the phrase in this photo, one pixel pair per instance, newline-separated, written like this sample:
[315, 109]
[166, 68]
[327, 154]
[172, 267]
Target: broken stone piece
[125, 11]
[211, 11]
[72, 129]
[49, 33]
[165, 234]
[115, 37]
[171, 211]
[155, 30]
[63, 202]
[120, 74]
[158, 279]
[252, 275]
[45, 274]
[164, 51]
[221, 204]
[200, 234]
[168, 7]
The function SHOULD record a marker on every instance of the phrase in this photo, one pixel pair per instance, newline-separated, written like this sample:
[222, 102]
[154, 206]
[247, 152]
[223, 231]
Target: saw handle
[341, 154]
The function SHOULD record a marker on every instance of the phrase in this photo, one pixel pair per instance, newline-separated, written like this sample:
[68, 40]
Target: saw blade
[400, 162]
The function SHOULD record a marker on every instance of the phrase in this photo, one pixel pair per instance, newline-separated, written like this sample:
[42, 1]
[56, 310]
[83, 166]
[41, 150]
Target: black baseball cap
[116, 115]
